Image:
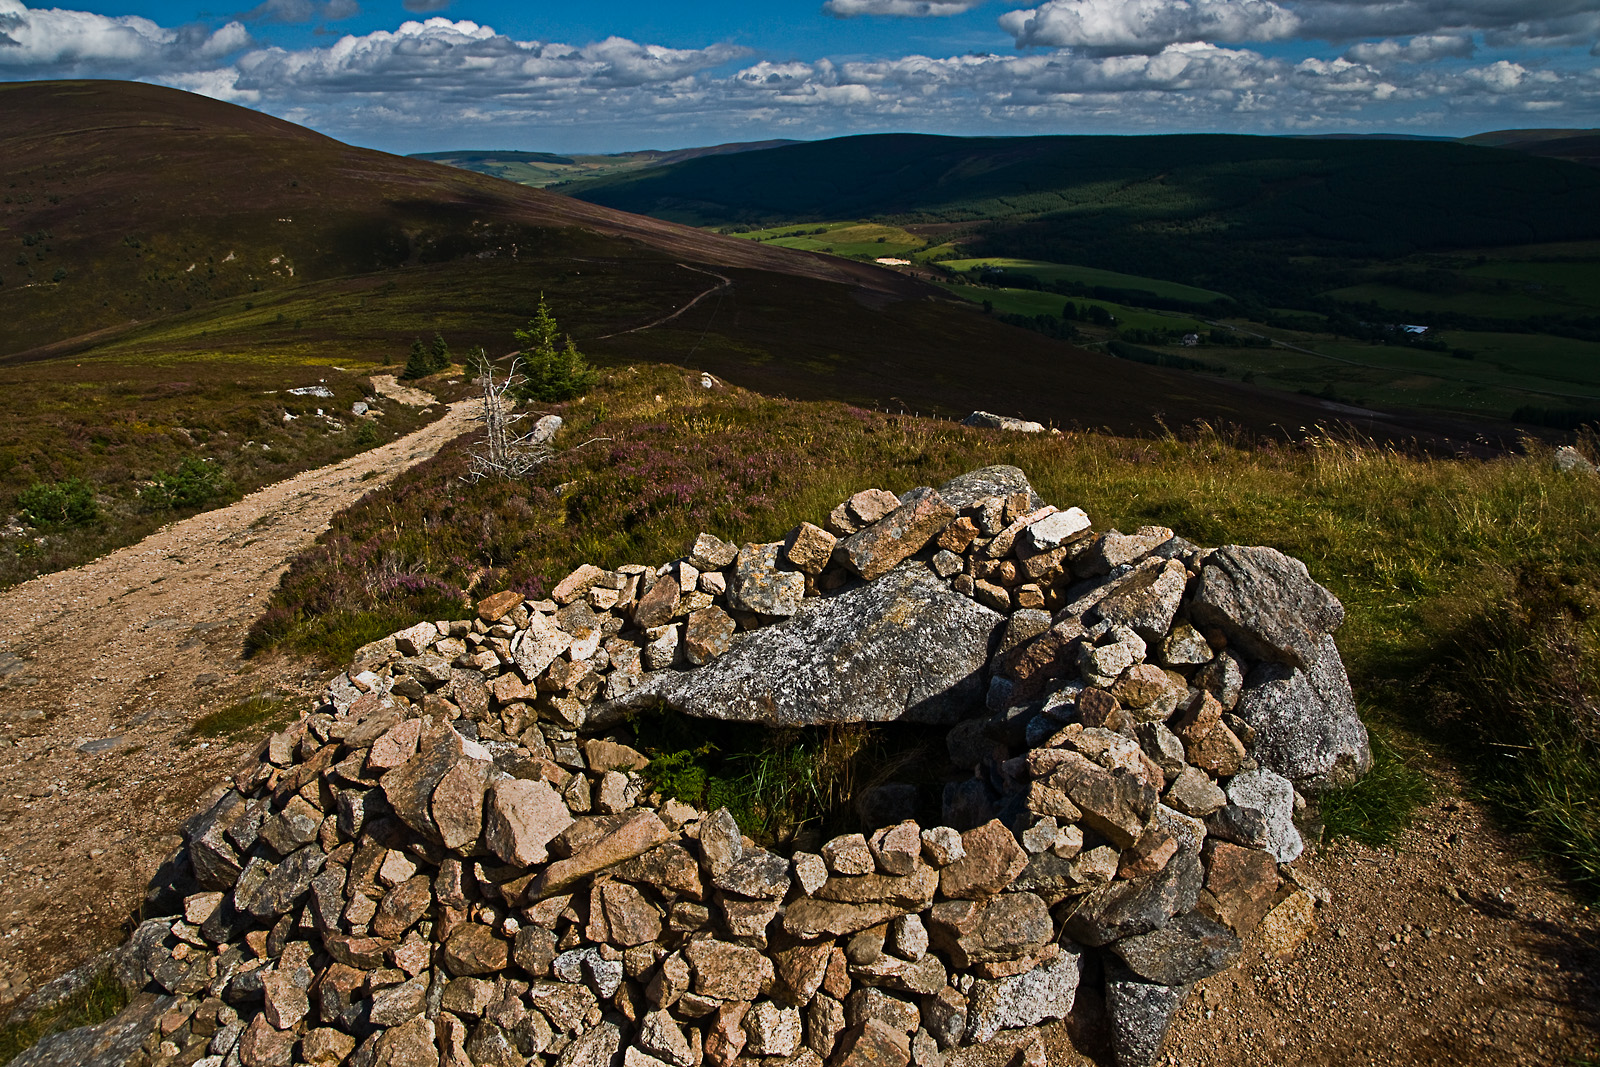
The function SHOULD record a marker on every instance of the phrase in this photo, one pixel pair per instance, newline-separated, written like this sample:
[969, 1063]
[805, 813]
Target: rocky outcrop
[459, 858]
[987, 421]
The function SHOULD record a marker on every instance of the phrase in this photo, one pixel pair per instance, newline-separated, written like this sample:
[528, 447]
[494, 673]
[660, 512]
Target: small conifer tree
[419, 364]
[439, 354]
[553, 368]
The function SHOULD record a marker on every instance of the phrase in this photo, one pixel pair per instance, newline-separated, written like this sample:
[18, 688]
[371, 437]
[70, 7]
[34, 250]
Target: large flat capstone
[904, 647]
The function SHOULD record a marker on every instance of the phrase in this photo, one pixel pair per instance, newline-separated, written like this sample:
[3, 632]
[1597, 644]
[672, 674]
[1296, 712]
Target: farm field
[1553, 281]
[861, 240]
[1089, 276]
[1574, 282]
[1508, 372]
[1488, 302]
[1033, 302]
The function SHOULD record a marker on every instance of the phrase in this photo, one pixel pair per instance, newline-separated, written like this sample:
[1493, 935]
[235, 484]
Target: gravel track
[103, 670]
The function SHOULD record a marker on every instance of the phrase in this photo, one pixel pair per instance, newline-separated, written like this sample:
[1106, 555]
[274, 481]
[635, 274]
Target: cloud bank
[1080, 65]
[60, 42]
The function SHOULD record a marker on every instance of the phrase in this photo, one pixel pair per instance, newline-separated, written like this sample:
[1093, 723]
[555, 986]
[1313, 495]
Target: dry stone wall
[456, 859]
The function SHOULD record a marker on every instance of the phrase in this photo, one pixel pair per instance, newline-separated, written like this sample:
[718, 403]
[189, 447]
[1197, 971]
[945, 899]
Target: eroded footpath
[103, 671]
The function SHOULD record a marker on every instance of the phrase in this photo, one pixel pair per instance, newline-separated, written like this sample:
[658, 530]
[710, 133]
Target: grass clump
[94, 1003]
[1376, 808]
[1523, 692]
[256, 715]
[779, 783]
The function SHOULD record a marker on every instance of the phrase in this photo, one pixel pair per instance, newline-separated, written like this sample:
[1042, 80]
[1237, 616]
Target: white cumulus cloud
[1128, 27]
[1424, 48]
[1510, 21]
[54, 41]
[440, 55]
[1145, 26]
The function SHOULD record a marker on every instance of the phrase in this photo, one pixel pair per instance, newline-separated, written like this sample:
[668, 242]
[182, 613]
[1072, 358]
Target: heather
[1470, 585]
[98, 454]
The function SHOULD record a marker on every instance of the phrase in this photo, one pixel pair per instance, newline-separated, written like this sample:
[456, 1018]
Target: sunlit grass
[94, 1003]
[257, 715]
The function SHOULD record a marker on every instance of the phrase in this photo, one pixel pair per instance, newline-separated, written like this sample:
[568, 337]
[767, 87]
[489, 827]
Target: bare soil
[105, 668]
[1453, 948]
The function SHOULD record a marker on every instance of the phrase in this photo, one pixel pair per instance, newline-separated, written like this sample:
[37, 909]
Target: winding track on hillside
[722, 283]
[104, 668]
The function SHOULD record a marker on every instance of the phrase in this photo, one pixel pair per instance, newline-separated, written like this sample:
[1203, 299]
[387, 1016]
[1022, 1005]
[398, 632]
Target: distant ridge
[1512, 138]
[507, 154]
[541, 169]
[1574, 146]
[1203, 209]
[1368, 137]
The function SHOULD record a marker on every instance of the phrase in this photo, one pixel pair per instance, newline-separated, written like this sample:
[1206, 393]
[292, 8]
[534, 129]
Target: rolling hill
[541, 169]
[171, 265]
[125, 201]
[1205, 210]
[1574, 146]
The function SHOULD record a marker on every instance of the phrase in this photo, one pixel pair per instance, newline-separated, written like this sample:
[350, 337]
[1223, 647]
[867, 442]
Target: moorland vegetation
[1473, 588]
[216, 258]
[100, 455]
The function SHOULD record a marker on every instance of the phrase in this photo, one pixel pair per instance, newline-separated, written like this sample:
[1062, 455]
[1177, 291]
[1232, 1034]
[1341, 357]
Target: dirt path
[724, 283]
[1451, 949]
[104, 668]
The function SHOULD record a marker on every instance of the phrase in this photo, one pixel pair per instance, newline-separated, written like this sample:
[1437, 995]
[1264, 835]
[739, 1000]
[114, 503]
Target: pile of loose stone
[457, 859]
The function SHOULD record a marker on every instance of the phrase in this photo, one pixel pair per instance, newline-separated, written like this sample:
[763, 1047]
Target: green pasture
[1507, 371]
[1492, 304]
[1576, 283]
[1033, 302]
[853, 239]
[1090, 276]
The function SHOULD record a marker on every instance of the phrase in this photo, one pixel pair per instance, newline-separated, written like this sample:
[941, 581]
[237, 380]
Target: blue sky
[609, 76]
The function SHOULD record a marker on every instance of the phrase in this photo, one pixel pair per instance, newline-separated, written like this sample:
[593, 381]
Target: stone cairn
[456, 859]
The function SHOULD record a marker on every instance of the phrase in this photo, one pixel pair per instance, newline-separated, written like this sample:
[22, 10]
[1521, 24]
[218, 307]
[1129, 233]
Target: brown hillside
[141, 194]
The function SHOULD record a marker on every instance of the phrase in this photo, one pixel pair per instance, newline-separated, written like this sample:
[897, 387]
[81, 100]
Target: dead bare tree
[503, 454]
